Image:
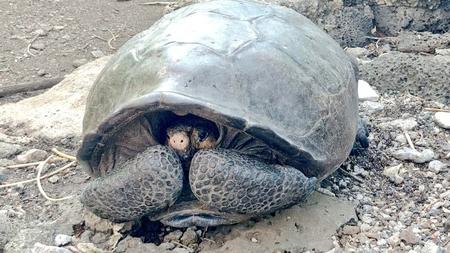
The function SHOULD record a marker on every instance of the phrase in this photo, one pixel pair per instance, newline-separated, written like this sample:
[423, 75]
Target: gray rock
[436, 166]
[442, 119]
[350, 230]
[9, 149]
[408, 236]
[32, 155]
[62, 239]
[41, 248]
[396, 72]
[189, 237]
[395, 17]
[416, 42]
[366, 93]
[173, 236]
[408, 154]
[42, 72]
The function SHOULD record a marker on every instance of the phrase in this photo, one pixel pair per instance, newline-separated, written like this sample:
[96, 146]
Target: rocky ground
[394, 197]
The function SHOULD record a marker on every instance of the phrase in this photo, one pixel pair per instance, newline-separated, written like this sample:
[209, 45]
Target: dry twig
[182, 245]
[31, 86]
[113, 37]
[30, 43]
[408, 139]
[352, 176]
[436, 109]
[39, 185]
[43, 177]
[100, 38]
[63, 155]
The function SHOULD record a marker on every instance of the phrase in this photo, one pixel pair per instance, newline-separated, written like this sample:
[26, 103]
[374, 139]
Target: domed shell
[263, 69]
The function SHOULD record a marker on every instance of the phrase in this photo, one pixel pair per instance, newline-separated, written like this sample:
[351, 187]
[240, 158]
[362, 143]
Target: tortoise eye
[202, 135]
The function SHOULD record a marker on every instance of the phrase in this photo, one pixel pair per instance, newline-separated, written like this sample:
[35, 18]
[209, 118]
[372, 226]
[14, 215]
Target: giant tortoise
[221, 111]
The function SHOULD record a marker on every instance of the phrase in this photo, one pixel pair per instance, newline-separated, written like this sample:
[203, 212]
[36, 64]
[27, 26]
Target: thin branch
[43, 177]
[408, 139]
[63, 155]
[113, 37]
[436, 109]
[39, 185]
[30, 43]
[30, 86]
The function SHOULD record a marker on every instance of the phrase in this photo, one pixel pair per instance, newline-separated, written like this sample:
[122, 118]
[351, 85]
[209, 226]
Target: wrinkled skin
[225, 181]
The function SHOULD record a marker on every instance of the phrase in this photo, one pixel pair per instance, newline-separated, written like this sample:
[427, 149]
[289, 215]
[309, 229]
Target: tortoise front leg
[147, 183]
[228, 181]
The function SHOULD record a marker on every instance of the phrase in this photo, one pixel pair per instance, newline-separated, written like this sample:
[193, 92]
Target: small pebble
[41, 72]
[189, 237]
[442, 119]
[58, 27]
[350, 230]
[167, 246]
[62, 240]
[254, 240]
[97, 53]
[53, 179]
[436, 166]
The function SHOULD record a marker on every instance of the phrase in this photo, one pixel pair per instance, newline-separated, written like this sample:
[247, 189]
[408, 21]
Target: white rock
[409, 154]
[371, 107]
[31, 155]
[41, 248]
[442, 119]
[436, 166]
[62, 240]
[381, 242]
[431, 247]
[443, 51]
[366, 92]
[393, 173]
[53, 179]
